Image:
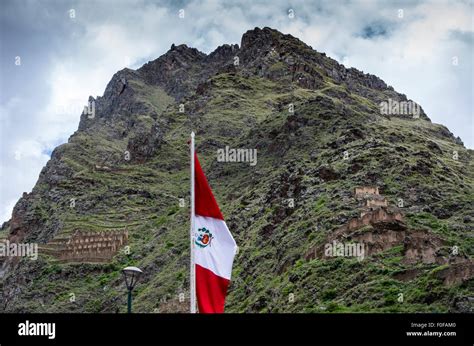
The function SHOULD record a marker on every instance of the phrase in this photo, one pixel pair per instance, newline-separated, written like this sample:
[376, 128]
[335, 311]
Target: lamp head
[131, 276]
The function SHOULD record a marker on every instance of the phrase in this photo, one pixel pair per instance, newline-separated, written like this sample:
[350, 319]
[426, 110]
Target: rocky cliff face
[319, 132]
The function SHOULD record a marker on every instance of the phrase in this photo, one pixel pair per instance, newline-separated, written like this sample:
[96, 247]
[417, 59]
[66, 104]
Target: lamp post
[131, 276]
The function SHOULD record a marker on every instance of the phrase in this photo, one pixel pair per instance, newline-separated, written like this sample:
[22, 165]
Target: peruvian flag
[214, 247]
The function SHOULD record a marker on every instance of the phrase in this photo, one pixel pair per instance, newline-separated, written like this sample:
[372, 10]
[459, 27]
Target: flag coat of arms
[214, 247]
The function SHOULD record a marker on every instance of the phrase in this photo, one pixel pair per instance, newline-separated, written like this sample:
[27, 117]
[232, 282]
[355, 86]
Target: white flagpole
[192, 266]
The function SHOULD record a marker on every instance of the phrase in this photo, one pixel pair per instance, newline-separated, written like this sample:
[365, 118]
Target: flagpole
[191, 232]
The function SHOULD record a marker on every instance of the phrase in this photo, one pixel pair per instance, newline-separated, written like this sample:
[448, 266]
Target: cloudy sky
[54, 54]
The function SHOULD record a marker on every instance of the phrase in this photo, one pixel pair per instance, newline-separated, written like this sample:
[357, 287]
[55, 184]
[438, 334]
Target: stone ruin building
[85, 246]
[363, 191]
[389, 230]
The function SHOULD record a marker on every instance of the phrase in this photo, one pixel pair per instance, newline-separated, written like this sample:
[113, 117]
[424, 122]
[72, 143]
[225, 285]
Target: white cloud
[415, 57]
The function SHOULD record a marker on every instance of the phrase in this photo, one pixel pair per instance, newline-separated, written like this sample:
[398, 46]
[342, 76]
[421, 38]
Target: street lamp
[131, 276]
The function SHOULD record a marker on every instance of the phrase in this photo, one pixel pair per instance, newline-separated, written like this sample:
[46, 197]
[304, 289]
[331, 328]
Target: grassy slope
[245, 113]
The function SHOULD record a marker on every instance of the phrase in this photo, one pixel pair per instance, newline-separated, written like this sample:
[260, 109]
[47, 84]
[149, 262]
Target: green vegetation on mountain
[127, 168]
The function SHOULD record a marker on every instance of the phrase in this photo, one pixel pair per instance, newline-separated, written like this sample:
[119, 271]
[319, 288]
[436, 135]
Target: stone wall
[87, 246]
[370, 218]
[389, 225]
[373, 203]
[361, 191]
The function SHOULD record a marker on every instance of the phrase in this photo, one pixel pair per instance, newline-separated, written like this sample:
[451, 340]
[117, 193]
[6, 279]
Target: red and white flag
[213, 246]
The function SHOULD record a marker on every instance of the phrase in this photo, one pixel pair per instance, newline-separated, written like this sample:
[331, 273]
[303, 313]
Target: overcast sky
[54, 54]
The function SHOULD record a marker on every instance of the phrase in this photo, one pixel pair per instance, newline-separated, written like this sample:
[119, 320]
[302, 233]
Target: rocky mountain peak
[184, 52]
[177, 57]
[126, 168]
[265, 37]
[223, 54]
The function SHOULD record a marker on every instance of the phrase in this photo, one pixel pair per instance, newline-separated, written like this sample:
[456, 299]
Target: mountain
[342, 160]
